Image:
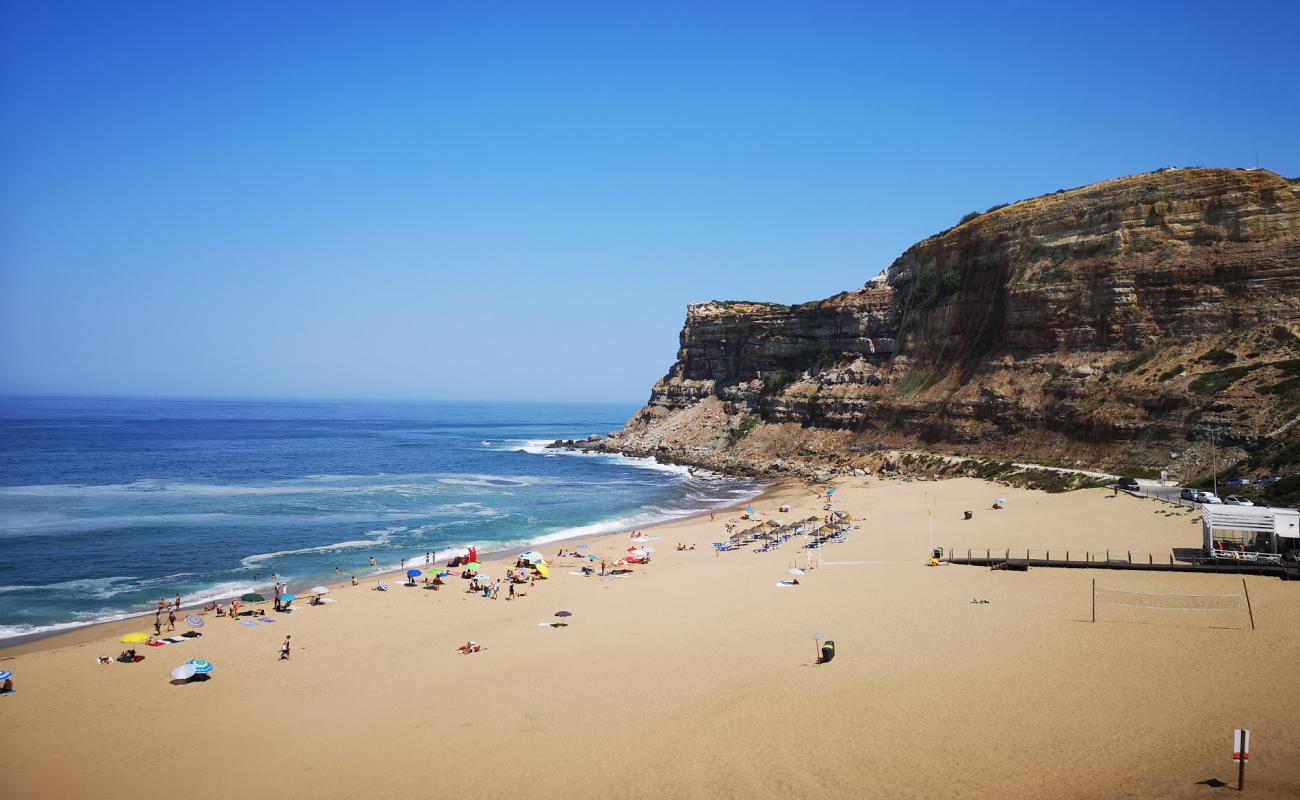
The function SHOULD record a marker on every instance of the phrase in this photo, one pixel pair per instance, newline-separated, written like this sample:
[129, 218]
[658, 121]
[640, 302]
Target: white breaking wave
[383, 537]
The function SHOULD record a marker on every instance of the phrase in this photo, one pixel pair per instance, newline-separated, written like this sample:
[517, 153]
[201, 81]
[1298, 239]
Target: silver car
[1237, 500]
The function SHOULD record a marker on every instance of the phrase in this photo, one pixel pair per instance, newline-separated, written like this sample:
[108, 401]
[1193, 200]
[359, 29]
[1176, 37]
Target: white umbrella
[796, 571]
[184, 672]
[320, 590]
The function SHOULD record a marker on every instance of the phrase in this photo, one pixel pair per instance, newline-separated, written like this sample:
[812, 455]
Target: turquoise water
[108, 504]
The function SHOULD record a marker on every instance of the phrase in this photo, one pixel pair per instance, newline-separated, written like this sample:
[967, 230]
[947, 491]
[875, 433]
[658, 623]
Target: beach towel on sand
[156, 644]
[264, 619]
[248, 623]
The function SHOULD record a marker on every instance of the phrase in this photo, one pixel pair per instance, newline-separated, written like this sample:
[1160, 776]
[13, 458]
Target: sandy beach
[694, 676]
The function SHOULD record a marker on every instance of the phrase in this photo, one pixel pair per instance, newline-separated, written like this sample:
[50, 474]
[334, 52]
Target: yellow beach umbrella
[135, 638]
[543, 570]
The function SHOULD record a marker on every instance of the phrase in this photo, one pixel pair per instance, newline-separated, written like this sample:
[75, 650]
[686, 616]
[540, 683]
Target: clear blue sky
[494, 200]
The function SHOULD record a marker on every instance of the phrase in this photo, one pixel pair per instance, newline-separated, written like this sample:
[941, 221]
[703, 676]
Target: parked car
[1268, 479]
[1128, 484]
[1237, 500]
[1207, 498]
[1237, 482]
[1188, 494]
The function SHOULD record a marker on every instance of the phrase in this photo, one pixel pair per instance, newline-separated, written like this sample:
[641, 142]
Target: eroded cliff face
[1107, 325]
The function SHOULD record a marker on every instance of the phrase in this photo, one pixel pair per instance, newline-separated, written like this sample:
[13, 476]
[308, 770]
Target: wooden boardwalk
[1013, 560]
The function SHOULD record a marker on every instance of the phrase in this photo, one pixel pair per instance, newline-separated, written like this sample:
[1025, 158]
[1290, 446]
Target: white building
[1250, 530]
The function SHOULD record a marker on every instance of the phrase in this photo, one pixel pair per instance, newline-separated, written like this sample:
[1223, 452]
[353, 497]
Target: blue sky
[516, 201]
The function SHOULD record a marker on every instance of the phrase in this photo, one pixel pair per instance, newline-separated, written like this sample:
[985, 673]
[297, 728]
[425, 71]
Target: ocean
[106, 505]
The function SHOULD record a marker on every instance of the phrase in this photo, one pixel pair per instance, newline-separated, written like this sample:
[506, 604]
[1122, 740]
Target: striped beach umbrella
[201, 667]
[5, 674]
[194, 621]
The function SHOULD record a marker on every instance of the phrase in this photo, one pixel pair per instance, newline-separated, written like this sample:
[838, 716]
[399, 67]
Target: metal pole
[1249, 610]
[1214, 465]
[1094, 599]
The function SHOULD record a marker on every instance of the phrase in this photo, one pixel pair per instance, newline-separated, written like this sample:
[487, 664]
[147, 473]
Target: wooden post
[1094, 599]
[1249, 610]
[1130, 556]
[1150, 560]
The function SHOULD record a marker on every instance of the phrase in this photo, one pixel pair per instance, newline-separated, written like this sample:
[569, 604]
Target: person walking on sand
[171, 620]
[602, 566]
[157, 623]
[284, 650]
[511, 595]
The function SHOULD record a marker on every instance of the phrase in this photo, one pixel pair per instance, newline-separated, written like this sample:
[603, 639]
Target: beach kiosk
[1250, 533]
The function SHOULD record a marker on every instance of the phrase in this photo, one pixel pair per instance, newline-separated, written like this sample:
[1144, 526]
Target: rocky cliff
[1117, 324]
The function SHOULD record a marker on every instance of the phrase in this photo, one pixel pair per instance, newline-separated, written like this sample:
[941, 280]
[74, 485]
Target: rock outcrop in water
[1116, 324]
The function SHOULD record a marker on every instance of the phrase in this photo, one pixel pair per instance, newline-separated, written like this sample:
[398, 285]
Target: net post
[1249, 610]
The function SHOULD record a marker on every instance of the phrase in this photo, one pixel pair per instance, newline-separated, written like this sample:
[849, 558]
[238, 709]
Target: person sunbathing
[127, 656]
[470, 647]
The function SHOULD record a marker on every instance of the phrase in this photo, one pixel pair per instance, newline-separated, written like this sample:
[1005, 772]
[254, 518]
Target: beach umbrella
[533, 556]
[830, 491]
[320, 590]
[383, 587]
[288, 598]
[749, 509]
[473, 565]
[5, 674]
[201, 667]
[194, 621]
[1002, 501]
[563, 614]
[135, 638]
[184, 672]
[252, 597]
[410, 573]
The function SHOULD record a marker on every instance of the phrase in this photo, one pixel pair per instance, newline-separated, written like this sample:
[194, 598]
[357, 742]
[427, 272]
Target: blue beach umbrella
[413, 573]
[201, 667]
[5, 674]
[830, 491]
[749, 509]
[285, 598]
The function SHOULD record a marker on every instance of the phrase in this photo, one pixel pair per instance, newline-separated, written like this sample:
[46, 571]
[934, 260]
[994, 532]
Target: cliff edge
[1115, 325]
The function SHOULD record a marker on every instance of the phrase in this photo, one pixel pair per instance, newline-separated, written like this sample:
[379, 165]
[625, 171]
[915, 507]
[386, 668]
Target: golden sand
[694, 678]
